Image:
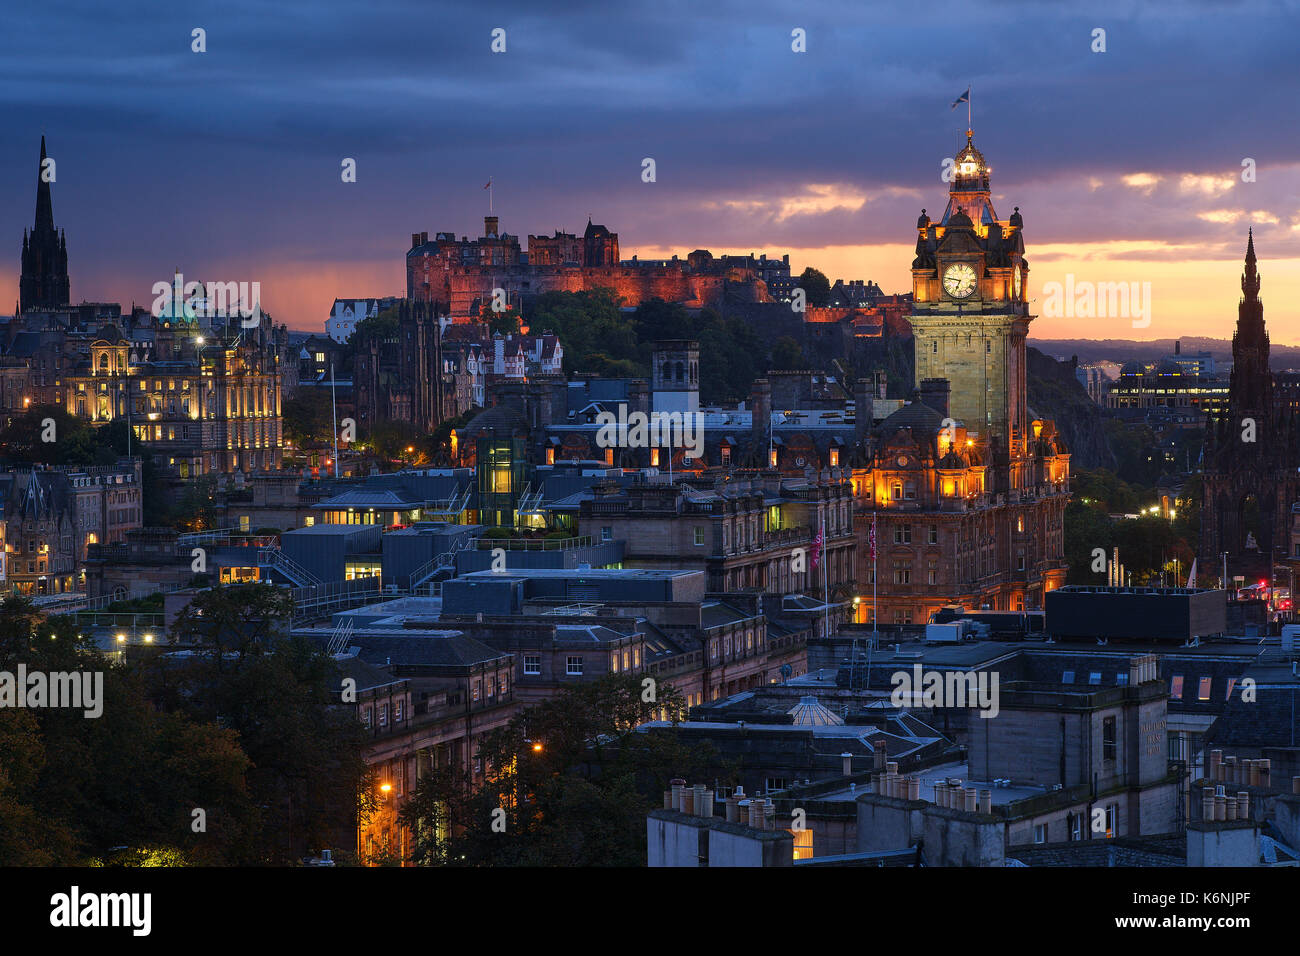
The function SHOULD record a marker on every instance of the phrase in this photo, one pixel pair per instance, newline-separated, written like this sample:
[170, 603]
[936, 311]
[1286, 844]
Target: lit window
[1176, 687]
[1203, 691]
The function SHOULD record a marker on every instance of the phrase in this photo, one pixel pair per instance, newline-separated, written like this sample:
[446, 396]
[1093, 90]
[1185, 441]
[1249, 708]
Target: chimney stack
[490, 226]
[934, 393]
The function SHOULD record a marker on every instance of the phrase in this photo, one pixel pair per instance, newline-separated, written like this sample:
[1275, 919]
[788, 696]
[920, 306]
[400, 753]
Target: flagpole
[875, 607]
[968, 95]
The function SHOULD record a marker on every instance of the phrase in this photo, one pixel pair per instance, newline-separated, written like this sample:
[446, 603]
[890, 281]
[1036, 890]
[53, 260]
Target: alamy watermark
[79, 690]
[919, 688]
[193, 300]
[683, 430]
[1098, 300]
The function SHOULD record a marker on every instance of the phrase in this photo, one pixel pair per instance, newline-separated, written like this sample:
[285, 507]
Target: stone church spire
[44, 280]
[44, 204]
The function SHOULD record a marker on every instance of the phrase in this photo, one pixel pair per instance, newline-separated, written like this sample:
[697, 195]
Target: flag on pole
[964, 98]
[872, 537]
[488, 184]
[817, 548]
[1191, 577]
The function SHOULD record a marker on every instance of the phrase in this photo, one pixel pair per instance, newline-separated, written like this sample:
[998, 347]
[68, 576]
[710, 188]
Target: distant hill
[1089, 351]
[1055, 393]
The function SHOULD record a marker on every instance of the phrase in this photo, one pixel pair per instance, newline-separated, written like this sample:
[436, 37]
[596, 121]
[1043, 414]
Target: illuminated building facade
[966, 486]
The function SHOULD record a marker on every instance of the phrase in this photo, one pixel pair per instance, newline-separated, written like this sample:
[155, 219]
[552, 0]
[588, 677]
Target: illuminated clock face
[1015, 283]
[959, 280]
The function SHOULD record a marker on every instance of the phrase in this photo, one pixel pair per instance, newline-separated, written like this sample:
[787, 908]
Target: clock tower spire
[969, 314]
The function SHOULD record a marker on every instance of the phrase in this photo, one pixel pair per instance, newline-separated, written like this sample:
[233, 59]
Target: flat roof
[940, 774]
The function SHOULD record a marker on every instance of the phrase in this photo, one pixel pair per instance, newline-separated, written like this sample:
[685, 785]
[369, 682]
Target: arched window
[681, 372]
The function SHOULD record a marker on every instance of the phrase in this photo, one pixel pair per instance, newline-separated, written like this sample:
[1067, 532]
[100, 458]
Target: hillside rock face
[1055, 393]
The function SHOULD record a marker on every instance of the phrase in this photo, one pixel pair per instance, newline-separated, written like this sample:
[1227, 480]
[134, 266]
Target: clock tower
[969, 314]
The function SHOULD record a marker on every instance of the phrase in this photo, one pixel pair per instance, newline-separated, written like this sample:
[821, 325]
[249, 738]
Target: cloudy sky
[1126, 165]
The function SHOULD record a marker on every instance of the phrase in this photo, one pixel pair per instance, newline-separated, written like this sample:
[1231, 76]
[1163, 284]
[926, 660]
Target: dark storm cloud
[167, 157]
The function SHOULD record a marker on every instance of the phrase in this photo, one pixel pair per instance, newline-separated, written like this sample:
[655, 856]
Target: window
[1232, 683]
[1203, 691]
[1094, 677]
[613, 662]
[772, 784]
[365, 717]
[1040, 832]
[573, 666]
[1110, 821]
[1067, 677]
[896, 492]
[383, 715]
[397, 711]
[699, 537]
[477, 691]
[1108, 739]
[903, 534]
[909, 491]
[1075, 823]
[1176, 687]
[933, 535]
[903, 576]
[532, 663]
[932, 577]
[1020, 562]
[606, 533]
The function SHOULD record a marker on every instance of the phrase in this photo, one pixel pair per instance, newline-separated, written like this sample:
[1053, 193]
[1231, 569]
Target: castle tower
[675, 375]
[44, 280]
[970, 317]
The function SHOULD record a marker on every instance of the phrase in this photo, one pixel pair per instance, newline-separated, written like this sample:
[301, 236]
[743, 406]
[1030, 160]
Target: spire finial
[1250, 278]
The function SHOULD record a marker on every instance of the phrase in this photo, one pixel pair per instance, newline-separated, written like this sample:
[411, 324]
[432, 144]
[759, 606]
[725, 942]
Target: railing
[220, 539]
[320, 599]
[115, 619]
[277, 560]
[104, 600]
[534, 544]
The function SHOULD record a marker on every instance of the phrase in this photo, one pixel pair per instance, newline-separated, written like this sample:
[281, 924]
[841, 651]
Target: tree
[507, 322]
[382, 326]
[787, 354]
[571, 779]
[124, 773]
[816, 287]
[243, 618]
[309, 418]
